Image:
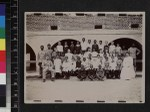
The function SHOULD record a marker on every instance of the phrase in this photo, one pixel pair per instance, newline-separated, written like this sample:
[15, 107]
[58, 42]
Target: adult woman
[128, 68]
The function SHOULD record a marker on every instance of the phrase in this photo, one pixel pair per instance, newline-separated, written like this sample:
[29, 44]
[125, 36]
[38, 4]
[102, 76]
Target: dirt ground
[68, 91]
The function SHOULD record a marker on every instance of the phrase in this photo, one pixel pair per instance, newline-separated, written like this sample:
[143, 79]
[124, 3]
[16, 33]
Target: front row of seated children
[85, 69]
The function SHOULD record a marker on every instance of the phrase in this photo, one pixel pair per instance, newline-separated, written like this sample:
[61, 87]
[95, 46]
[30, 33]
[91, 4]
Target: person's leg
[44, 74]
[40, 69]
[52, 74]
[134, 63]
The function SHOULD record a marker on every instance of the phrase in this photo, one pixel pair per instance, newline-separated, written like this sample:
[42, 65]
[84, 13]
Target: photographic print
[84, 57]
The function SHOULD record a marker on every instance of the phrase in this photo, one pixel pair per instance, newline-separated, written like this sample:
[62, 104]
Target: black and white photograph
[84, 57]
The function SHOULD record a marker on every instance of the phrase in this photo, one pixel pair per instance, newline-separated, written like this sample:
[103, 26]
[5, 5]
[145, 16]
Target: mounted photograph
[84, 57]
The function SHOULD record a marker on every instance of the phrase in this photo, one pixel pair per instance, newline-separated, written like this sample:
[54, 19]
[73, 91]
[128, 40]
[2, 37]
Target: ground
[110, 90]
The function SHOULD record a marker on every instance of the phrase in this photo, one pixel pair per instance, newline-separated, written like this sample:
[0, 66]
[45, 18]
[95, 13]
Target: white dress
[57, 64]
[127, 71]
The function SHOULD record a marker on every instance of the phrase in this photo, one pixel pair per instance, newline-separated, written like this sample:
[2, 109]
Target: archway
[31, 65]
[128, 43]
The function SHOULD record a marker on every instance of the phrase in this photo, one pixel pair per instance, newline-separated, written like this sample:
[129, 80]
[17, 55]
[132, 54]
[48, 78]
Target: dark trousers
[117, 74]
[40, 69]
[106, 73]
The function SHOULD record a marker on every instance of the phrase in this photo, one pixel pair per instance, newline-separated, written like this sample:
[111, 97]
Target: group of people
[87, 61]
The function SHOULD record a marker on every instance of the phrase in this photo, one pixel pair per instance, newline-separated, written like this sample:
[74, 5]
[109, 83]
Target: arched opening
[31, 58]
[127, 43]
[63, 42]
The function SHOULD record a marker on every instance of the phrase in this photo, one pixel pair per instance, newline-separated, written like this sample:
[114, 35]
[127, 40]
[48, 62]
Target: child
[118, 68]
[60, 49]
[65, 68]
[100, 73]
[66, 47]
[91, 73]
[112, 67]
[57, 66]
[106, 68]
[48, 69]
[72, 67]
[69, 55]
[81, 74]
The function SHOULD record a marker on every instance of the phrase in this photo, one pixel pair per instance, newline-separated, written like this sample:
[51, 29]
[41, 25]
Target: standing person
[95, 46]
[66, 47]
[112, 48]
[78, 48]
[127, 71]
[89, 44]
[106, 47]
[78, 63]
[133, 51]
[69, 55]
[107, 68]
[40, 59]
[118, 68]
[65, 68]
[48, 69]
[101, 53]
[54, 54]
[72, 66]
[112, 67]
[57, 67]
[94, 53]
[86, 54]
[124, 51]
[100, 45]
[60, 49]
[83, 45]
[118, 50]
[72, 47]
[49, 51]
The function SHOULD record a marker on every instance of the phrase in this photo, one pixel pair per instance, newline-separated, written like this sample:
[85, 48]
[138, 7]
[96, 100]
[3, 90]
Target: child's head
[84, 59]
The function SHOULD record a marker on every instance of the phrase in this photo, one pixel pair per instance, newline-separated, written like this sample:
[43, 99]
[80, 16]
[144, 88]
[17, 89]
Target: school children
[57, 67]
[100, 73]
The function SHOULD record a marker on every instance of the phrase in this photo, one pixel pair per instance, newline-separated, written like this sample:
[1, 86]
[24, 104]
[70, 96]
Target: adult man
[133, 51]
[49, 51]
[83, 45]
[89, 44]
[118, 50]
[78, 48]
[40, 59]
[60, 49]
[106, 47]
[112, 48]
[95, 46]
[48, 69]
[100, 45]
[72, 47]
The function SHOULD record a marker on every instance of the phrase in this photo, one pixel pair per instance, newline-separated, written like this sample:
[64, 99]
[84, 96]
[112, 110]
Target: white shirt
[60, 48]
[118, 49]
[83, 46]
[69, 55]
[41, 56]
[95, 63]
[86, 54]
[101, 46]
[94, 54]
[113, 65]
[89, 45]
[57, 64]
[66, 66]
[112, 48]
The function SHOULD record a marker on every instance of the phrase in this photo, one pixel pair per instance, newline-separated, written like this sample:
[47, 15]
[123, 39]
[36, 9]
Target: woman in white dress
[127, 71]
